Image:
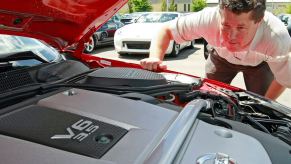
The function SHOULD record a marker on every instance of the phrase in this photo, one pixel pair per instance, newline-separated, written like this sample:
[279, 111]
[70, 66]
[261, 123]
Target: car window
[116, 18]
[156, 17]
[126, 16]
[136, 15]
[110, 21]
[289, 20]
[168, 17]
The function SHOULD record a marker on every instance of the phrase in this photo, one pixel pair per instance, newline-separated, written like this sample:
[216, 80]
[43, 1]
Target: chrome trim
[173, 139]
[218, 158]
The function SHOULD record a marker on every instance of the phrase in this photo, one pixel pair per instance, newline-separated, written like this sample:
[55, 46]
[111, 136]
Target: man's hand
[159, 45]
[152, 64]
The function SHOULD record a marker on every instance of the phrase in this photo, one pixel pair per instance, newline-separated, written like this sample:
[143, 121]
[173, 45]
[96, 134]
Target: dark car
[286, 19]
[113, 112]
[105, 34]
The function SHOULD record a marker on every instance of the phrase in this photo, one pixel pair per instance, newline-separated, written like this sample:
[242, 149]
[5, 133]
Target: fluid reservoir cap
[223, 133]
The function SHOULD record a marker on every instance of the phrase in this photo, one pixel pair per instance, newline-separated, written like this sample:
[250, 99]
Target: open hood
[59, 23]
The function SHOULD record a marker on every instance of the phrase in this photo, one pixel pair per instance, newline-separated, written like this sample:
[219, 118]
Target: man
[244, 38]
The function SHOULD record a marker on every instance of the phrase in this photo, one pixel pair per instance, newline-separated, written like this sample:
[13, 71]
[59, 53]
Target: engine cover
[127, 77]
[82, 127]
[62, 130]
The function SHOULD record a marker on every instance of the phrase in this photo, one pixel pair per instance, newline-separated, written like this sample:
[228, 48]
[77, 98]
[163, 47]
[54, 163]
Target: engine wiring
[226, 107]
[235, 108]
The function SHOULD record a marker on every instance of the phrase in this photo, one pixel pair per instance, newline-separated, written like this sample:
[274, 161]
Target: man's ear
[259, 21]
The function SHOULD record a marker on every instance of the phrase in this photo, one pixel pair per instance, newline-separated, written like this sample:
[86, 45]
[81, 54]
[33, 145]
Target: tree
[130, 7]
[172, 6]
[288, 9]
[164, 5]
[198, 5]
[142, 5]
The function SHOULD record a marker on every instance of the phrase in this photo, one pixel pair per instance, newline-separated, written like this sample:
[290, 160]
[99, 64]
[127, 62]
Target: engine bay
[88, 115]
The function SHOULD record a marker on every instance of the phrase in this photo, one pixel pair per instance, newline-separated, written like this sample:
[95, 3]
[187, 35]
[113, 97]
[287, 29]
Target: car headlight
[119, 32]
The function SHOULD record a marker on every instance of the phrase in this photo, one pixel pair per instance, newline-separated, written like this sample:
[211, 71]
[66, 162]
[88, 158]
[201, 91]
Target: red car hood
[61, 23]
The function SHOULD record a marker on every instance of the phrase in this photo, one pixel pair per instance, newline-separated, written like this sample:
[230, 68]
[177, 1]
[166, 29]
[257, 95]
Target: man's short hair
[257, 7]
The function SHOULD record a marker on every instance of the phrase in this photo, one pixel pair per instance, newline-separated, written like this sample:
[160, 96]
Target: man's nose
[233, 34]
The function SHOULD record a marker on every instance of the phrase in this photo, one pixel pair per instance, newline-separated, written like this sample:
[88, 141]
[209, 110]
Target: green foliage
[288, 9]
[172, 6]
[198, 5]
[164, 5]
[130, 6]
[142, 5]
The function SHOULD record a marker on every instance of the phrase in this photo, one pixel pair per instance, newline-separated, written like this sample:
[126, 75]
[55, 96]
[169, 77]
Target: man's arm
[274, 90]
[158, 48]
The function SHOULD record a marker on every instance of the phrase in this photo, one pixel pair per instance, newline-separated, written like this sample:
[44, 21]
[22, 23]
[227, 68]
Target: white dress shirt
[271, 42]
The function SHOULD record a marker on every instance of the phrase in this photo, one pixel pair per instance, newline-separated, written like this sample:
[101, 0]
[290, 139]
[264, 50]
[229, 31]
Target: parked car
[104, 35]
[136, 38]
[286, 19]
[116, 112]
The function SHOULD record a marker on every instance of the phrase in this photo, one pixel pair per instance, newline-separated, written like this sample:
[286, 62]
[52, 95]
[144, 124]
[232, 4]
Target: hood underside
[59, 23]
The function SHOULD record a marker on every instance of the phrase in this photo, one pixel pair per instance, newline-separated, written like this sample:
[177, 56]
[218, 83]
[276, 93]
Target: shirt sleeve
[282, 71]
[194, 26]
[280, 60]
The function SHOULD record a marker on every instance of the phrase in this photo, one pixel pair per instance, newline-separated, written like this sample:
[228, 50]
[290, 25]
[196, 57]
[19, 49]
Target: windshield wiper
[23, 55]
[33, 90]
[4, 66]
[30, 90]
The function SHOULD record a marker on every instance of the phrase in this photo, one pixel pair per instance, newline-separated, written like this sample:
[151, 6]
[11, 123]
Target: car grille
[137, 45]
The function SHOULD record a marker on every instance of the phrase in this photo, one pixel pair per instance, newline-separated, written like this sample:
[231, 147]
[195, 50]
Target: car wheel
[90, 46]
[175, 50]
[103, 35]
[192, 44]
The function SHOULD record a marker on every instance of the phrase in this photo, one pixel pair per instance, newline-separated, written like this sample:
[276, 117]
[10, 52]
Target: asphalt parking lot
[190, 61]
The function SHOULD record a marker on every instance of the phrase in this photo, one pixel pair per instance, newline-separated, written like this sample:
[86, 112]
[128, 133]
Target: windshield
[126, 16]
[288, 20]
[12, 44]
[156, 17]
[136, 14]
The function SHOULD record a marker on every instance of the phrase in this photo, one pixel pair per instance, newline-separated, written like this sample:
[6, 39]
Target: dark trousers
[257, 78]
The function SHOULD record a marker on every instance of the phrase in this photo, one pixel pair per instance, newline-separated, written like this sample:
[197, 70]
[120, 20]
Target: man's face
[238, 31]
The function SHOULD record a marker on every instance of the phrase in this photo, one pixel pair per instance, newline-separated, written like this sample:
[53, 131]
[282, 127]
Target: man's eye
[225, 26]
[240, 28]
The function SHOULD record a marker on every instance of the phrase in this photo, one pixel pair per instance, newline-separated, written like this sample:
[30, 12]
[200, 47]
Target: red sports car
[105, 111]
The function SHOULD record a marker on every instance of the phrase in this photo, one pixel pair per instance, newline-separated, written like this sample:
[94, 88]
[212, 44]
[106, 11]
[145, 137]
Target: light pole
[167, 5]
